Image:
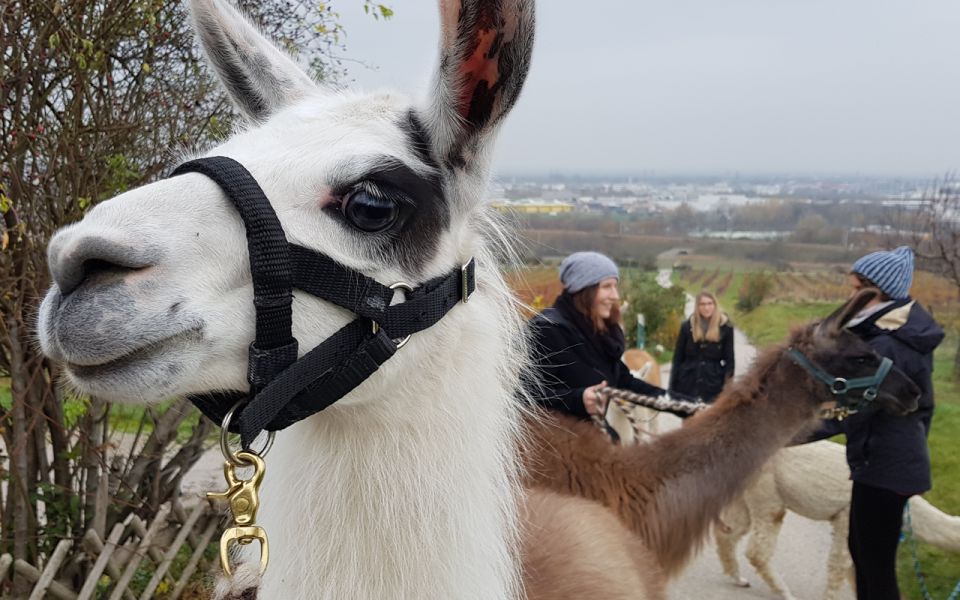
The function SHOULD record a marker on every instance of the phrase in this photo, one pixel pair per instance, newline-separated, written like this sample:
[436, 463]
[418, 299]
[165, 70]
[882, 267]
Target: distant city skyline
[862, 87]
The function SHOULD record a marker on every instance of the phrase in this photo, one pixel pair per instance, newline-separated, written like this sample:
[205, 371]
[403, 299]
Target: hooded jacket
[883, 450]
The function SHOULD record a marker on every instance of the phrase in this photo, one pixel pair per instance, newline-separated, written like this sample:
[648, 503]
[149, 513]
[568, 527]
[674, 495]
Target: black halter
[284, 390]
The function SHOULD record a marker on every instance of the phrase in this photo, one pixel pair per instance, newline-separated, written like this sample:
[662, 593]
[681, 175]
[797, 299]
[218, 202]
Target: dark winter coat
[885, 451]
[702, 368]
[569, 357]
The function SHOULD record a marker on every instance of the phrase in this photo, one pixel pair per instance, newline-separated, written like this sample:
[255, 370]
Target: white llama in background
[812, 480]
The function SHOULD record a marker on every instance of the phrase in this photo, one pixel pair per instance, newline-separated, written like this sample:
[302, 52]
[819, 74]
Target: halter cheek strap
[284, 390]
[839, 386]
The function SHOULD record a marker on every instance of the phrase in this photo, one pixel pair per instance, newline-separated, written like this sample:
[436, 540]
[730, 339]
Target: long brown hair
[713, 326]
[583, 301]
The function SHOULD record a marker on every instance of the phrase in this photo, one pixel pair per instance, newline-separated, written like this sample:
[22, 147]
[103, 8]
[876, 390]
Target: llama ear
[259, 78]
[840, 317]
[485, 48]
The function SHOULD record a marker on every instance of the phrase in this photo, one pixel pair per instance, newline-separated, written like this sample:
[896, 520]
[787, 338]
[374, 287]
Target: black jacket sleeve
[728, 359]
[626, 381]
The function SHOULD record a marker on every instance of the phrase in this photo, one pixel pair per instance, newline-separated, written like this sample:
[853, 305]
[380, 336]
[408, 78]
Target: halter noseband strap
[284, 390]
[839, 386]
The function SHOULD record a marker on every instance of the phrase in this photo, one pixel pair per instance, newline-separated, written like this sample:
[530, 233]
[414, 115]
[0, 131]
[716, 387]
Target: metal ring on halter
[225, 445]
[376, 326]
[839, 386]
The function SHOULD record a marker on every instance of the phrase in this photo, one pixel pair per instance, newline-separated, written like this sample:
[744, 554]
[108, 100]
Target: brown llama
[669, 491]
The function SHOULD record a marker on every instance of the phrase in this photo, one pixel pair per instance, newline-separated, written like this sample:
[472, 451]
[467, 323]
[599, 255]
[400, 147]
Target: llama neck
[670, 490]
[697, 469]
[408, 494]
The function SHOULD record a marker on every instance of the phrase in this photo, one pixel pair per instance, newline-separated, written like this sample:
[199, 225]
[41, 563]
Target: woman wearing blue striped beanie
[888, 456]
[891, 272]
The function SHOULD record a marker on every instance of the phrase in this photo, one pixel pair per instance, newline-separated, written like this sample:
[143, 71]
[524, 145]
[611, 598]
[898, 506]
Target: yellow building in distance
[544, 207]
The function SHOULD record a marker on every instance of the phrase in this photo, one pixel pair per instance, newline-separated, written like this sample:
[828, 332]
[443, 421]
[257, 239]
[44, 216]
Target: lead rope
[912, 543]
[626, 400]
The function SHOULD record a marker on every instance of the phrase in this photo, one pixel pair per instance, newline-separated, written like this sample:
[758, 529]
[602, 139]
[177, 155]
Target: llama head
[152, 293]
[840, 353]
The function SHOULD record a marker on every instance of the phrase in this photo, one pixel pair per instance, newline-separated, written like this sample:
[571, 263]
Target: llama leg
[763, 541]
[839, 565]
[728, 530]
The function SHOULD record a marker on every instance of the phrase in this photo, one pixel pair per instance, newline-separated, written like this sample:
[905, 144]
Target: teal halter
[839, 386]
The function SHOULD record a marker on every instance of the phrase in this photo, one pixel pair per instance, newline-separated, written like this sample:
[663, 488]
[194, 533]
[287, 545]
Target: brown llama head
[842, 354]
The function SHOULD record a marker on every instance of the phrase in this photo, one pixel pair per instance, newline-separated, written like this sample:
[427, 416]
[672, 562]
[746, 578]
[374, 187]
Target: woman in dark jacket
[578, 343]
[703, 359]
[888, 456]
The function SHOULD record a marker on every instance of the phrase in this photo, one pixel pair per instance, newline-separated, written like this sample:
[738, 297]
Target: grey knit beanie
[582, 269]
[891, 271]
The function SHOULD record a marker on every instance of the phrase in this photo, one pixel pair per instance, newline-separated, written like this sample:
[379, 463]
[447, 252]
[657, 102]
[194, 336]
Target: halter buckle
[465, 281]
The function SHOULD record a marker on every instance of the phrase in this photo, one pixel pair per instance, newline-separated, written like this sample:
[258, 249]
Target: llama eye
[370, 213]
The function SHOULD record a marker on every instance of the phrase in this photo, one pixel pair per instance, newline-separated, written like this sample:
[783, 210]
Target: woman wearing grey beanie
[578, 343]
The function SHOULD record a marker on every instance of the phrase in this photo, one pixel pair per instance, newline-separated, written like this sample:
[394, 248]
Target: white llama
[812, 480]
[407, 487]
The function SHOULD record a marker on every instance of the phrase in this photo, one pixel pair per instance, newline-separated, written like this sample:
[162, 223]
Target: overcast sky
[710, 87]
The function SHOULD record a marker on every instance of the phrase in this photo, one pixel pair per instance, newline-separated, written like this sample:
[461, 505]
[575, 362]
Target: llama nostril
[74, 261]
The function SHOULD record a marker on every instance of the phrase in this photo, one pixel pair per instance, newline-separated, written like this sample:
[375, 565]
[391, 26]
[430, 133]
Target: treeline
[802, 222]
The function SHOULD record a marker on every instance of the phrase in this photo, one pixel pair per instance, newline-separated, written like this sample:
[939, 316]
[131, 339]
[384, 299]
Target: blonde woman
[703, 359]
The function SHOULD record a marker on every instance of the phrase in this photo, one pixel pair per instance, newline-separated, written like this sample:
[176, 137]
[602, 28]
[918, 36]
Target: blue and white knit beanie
[582, 269]
[889, 270]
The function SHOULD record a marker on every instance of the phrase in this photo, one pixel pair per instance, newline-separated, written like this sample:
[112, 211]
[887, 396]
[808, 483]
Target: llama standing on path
[812, 480]
[407, 487]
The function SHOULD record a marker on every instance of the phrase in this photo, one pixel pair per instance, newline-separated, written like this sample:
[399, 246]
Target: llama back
[933, 526]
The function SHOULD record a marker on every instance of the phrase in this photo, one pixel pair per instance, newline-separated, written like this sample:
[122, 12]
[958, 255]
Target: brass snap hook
[243, 498]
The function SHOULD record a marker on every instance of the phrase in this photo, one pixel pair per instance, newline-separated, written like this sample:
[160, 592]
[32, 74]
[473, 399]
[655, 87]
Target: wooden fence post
[164, 565]
[104, 553]
[140, 553]
[212, 525]
[50, 571]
